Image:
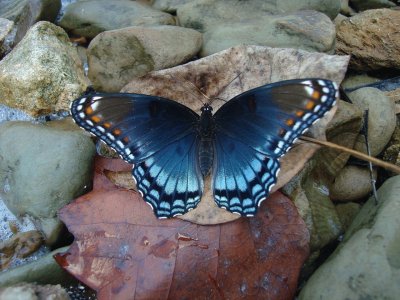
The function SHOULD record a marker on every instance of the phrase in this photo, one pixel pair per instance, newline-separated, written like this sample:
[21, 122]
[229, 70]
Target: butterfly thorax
[206, 131]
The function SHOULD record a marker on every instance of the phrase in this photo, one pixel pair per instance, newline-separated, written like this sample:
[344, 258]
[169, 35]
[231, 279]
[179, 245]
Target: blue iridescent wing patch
[257, 127]
[154, 134]
[242, 143]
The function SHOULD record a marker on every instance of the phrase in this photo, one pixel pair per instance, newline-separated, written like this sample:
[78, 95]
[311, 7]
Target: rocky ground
[51, 52]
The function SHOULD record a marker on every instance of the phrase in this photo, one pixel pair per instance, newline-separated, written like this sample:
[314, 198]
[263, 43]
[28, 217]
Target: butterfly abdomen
[206, 132]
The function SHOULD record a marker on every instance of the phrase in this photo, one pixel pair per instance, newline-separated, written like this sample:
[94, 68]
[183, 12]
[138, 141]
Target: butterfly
[172, 148]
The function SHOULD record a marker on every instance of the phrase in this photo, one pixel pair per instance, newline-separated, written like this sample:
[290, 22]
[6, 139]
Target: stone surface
[371, 4]
[358, 80]
[347, 212]
[137, 50]
[381, 118]
[45, 270]
[25, 13]
[89, 18]
[169, 6]
[42, 168]
[297, 30]
[352, 183]
[43, 73]
[29, 291]
[7, 35]
[202, 14]
[367, 263]
[372, 39]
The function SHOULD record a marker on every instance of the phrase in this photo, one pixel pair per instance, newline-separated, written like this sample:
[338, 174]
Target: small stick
[355, 153]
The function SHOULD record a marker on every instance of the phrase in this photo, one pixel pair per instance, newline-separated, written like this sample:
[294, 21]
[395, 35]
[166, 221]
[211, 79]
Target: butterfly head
[206, 109]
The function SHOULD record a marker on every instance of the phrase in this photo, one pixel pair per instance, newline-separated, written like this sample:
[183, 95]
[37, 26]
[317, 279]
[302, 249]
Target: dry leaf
[124, 252]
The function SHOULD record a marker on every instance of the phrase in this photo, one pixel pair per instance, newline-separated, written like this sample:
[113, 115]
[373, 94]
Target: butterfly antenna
[227, 85]
[360, 155]
[191, 85]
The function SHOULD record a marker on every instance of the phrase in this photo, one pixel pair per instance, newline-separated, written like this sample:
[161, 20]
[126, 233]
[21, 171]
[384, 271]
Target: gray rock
[43, 73]
[371, 4]
[352, 183]
[366, 265]
[296, 30]
[42, 168]
[25, 13]
[358, 80]
[7, 35]
[202, 14]
[381, 120]
[137, 50]
[45, 270]
[89, 18]
[169, 6]
[30, 291]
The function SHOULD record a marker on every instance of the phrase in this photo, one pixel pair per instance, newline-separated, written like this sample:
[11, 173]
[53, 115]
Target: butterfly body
[173, 149]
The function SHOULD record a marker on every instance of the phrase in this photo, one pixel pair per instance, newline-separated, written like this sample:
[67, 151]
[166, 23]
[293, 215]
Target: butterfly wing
[257, 127]
[154, 134]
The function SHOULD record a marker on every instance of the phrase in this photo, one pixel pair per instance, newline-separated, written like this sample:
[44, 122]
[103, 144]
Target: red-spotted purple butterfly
[172, 148]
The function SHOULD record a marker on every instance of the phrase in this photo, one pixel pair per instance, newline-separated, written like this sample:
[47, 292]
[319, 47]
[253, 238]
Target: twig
[360, 155]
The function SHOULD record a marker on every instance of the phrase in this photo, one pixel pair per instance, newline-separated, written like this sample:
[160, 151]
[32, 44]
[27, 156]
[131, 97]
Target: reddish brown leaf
[122, 251]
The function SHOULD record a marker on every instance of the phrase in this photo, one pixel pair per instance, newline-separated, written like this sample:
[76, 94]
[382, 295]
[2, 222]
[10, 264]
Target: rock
[358, 80]
[352, 183]
[366, 264]
[169, 6]
[202, 14]
[372, 39]
[42, 168]
[347, 212]
[45, 270]
[342, 130]
[296, 30]
[345, 9]
[20, 245]
[89, 18]
[29, 291]
[7, 35]
[371, 4]
[49, 72]
[308, 190]
[25, 13]
[137, 50]
[381, 120]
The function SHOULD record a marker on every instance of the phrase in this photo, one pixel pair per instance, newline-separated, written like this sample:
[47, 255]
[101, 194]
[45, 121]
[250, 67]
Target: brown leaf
[228, 73]
[123, 252]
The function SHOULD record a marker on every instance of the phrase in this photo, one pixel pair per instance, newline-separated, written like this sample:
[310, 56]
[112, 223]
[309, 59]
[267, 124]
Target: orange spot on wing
[315, 95]
[107, 125]
[289, 122]
[95, 119]
[310, 105]
[126, 139]
[299, 113]
[88, 110]
[117, 131]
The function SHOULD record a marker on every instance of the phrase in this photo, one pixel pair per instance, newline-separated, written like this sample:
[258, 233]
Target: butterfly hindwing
[257, 127]
[154, 134]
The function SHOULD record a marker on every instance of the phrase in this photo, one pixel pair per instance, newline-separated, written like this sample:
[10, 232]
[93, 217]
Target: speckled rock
[43, 73]
[372, 39]
[136, 51]
[296, 30]
[25, 13]
[381, 120]
[45, 270]
[366, 264]
[89, 18]
[352, 183]
[42, 168]
[202, 14]
[371, 4]
[29, 291]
